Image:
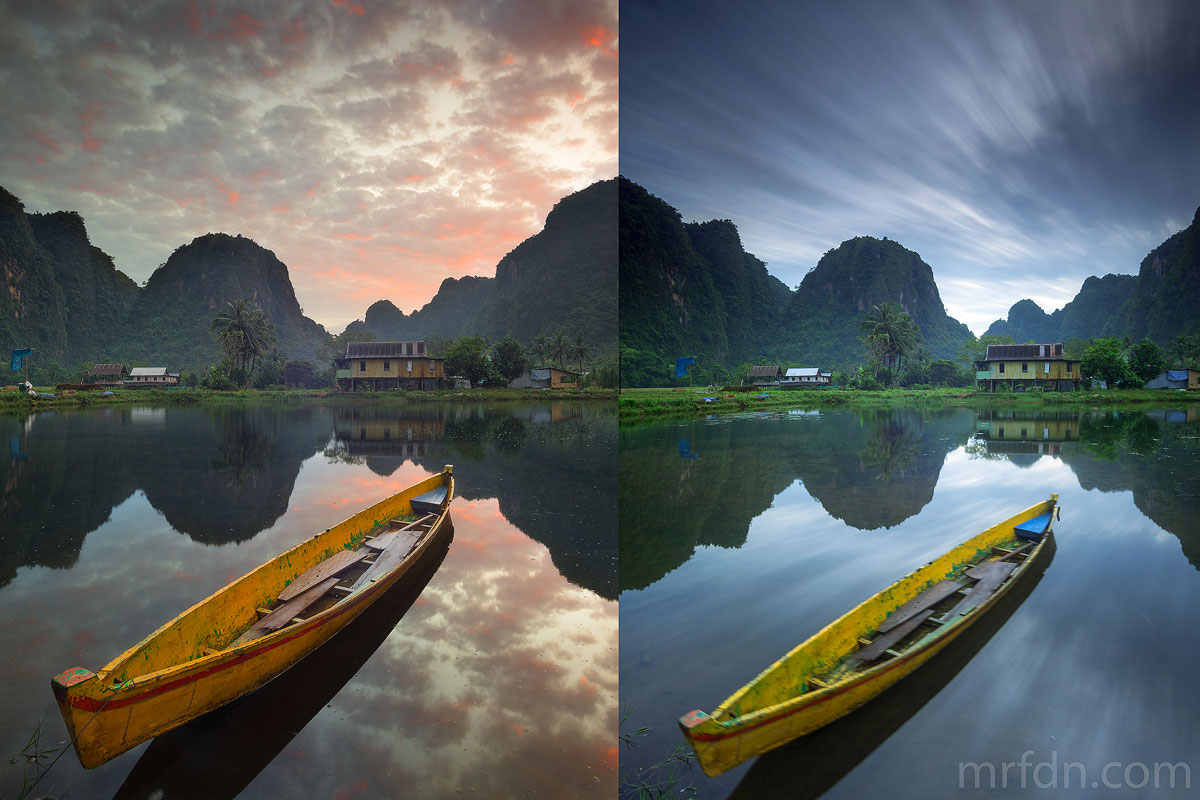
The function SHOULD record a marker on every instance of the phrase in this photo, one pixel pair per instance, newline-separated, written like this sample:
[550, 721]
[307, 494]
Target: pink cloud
[597, 36]
[358, 172]
[45, 141]
[353, 8]
[90, 143]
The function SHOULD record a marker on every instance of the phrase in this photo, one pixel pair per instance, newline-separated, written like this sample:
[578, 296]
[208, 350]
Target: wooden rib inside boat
[873, 646]
[248, 632]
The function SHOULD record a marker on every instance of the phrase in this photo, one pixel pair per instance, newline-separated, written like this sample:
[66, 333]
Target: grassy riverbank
[647, 404]
[15, 402]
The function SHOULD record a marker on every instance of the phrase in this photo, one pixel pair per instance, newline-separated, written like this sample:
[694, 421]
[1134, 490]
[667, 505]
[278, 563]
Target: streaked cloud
[1022, 147]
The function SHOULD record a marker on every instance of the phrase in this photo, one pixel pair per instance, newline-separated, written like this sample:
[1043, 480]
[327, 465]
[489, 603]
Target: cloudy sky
[376, 147]
[1018, 147]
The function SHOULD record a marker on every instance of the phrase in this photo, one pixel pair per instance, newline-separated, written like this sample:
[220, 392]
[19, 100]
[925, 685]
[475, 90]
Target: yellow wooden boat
[253, 629]
[873, 646]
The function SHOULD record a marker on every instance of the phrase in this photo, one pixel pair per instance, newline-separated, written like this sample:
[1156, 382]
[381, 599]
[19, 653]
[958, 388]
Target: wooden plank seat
[880, 644]
[334, 565]
[285, 613]
[401, 525]
[396, 551]
[385, 541]
[926, 599]
[986, 568]
[1023, 550]
[992, 575]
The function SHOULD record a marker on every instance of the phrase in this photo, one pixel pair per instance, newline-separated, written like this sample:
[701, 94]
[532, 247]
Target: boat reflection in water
[813, 764]
[219, 754]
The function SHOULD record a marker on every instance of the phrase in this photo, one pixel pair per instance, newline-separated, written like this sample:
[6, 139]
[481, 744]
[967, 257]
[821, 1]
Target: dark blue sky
[1019, 147]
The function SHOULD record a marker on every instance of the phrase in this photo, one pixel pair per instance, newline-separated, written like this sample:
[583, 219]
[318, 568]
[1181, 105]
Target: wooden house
[547, 378]
[149, 377]
[381, 366]
[805, 378]
[1178, 377]
[1026, 366]
[767, 375]
[107, 375]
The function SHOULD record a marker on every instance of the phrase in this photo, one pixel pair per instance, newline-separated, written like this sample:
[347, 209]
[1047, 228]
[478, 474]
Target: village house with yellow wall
[382, 366]
[1020, 367]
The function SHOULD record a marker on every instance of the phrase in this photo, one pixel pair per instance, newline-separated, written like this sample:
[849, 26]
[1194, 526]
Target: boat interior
[345, 572]
[332, 566]
[942, 604]
[903, 618]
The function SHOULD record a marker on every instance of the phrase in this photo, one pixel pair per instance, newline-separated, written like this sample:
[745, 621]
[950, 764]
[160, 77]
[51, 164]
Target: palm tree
[579, 350]
[244, 331]
[1180, 347]
[539, 348]
[560, 348]
[899, 333]
[908, 338]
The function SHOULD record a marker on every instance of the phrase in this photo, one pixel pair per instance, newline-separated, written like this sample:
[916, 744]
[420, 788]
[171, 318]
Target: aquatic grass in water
[35, 751]
[660, 779]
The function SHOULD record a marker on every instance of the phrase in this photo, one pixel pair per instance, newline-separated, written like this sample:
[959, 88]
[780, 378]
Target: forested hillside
[174, 313]
[1160, 302]
[66, 299]
[692, 290]
[562, 279]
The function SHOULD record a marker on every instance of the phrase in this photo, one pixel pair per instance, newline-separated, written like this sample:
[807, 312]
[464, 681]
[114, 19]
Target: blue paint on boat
[1032, 529]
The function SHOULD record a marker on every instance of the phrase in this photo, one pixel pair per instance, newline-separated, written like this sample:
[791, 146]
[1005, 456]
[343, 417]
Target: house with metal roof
[382, 366]
[805, 378]
[1026, 366]
[148, 377]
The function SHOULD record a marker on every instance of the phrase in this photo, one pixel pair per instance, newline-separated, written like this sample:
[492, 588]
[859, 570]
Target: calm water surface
[497, 677]
[741, 537]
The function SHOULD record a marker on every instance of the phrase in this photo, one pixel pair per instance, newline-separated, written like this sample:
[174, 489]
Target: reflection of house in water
[1026, 432]
[141, 415]
[380, 436]
[1176, 416]
[542, 414]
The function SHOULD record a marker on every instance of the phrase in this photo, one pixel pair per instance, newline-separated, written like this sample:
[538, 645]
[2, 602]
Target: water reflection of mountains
[219, 474]
[877, 468]
[551, 468]
[223, 474]
[1155, 455]
[871, 469]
